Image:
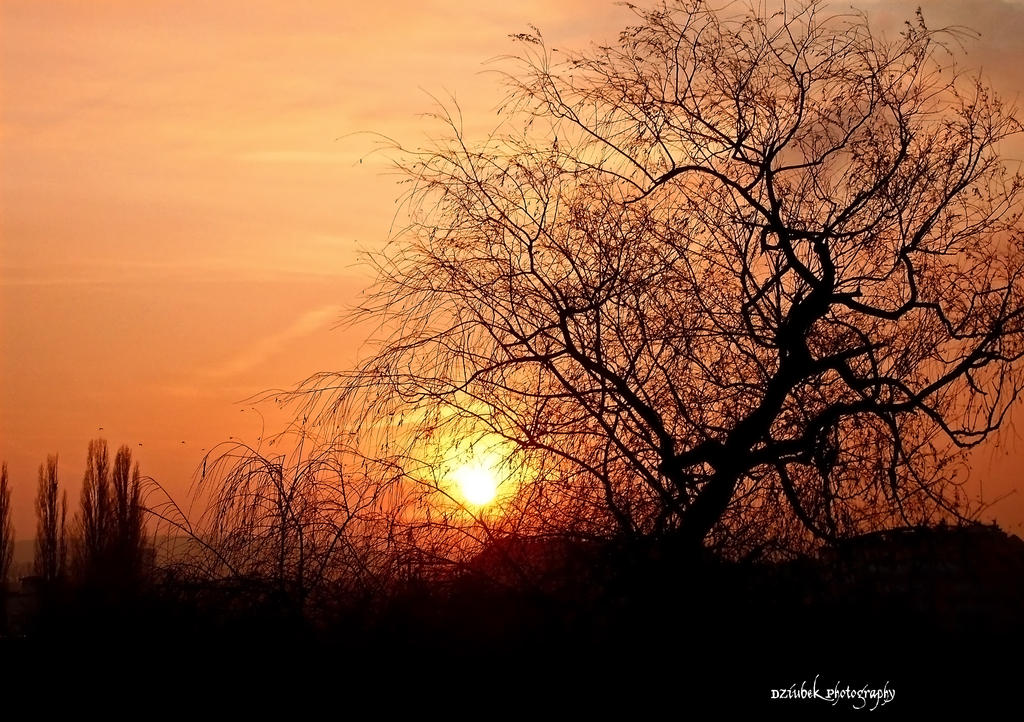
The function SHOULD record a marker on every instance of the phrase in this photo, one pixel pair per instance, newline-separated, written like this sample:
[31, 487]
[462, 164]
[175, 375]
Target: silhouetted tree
[95, 517]
[292, 529]
[741, 277]
[6, 529]
[6, 544]
[110, 525]
[51, 516]
[127, 533]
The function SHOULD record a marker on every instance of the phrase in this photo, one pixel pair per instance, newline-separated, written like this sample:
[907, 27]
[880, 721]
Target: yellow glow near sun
[478, 482]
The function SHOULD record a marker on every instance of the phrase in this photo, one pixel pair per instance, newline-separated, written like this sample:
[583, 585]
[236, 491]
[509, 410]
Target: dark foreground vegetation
[933, 611]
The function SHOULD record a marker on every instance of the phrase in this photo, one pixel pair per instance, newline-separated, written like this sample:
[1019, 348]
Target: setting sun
[477, 482]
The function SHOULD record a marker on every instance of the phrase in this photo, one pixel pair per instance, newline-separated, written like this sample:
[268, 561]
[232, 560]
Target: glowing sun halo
[477, 482]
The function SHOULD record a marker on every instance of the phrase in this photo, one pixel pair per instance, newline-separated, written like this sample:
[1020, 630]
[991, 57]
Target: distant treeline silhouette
[102, 550]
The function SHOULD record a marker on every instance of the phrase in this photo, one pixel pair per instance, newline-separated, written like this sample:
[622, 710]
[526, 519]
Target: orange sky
[179, 209]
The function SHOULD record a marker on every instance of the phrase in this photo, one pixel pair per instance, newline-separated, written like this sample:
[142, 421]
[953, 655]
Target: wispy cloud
[214, 270]
[253, 355]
